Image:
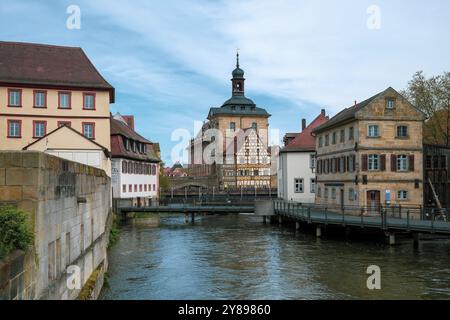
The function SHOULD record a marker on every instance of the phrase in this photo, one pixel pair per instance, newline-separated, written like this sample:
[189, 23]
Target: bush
[15, 231]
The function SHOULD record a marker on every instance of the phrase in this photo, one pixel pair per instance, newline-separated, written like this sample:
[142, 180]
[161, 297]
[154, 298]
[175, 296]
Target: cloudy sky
[170, 61]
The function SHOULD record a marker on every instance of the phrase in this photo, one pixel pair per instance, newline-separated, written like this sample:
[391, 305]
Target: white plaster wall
[296, 165]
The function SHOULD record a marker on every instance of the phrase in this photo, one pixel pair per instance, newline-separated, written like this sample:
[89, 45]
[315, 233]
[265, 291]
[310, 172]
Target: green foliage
[15, 231]
[113, 235]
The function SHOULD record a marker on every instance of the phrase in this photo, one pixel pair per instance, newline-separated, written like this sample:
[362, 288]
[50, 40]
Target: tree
[432, 97]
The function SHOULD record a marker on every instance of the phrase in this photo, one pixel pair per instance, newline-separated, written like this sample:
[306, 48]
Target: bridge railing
[410, 213]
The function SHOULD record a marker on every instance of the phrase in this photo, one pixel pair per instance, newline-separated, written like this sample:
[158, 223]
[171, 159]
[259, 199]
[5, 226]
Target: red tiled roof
[304, 141]
[119, 130]
[49, 66]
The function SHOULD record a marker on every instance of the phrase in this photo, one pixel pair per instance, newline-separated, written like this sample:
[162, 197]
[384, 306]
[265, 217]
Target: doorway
[373, 200]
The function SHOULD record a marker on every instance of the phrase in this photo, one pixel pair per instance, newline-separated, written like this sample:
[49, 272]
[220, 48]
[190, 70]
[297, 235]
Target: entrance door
[373, 200]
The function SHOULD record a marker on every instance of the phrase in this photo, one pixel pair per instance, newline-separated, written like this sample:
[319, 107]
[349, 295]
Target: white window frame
[373, 162]
[373, 130]
[402, 195]
[299, 185]
[402, 163]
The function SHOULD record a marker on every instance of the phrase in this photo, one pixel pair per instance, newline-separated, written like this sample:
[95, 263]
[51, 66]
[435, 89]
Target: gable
[63, 138]
[376, 108]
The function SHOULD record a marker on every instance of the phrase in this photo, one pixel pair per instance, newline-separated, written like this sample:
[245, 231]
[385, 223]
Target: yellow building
[370, 155]
[233, 143]
[43, 87]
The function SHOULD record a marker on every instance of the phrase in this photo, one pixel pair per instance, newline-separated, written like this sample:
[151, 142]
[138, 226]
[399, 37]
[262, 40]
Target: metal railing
[403, 217]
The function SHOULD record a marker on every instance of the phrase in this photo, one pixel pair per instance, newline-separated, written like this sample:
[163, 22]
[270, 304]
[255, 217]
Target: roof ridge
[38, 44]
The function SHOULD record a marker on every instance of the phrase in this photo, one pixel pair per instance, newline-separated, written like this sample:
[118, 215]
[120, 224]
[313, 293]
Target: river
[239, 257]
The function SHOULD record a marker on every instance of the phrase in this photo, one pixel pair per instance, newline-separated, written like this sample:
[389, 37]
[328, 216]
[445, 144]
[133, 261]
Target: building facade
[135, 164]
[297, 164]
[43, 87]
[436, 176]
[233, 143]
[370, 155]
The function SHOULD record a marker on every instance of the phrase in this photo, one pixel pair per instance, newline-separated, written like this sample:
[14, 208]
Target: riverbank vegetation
[15, 230]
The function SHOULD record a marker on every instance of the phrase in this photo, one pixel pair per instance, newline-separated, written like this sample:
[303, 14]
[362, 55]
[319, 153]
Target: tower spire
[237, 58]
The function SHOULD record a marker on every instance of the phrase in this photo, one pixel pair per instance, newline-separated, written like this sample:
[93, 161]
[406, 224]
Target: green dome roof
[238, 101]
[238, 73]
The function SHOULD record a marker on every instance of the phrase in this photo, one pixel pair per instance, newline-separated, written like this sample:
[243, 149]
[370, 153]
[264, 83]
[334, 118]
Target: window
[402, 195]
[130, 188]
[428, 162]
[135, 188]
[333, 193]
[124, 188]
[351, 194]
[342, 136]
[312, 186]
[256, 172]
[254, 125]
[443, 162]
[298, 185]
[334, 138]
[89, 130]
[154, 187]
[14, 97]
[402, 163]
[320, 142]
[140, 188]
[326, 193]
[14, 128]
[64, 100]
[145, 187]
[402, 131]
[319, 192]
[124, 167]
[40, 99]
[374, 162]
[89, 101]
[327, 140]
[390, 104]
[39, 129]
[312, 161]
[351, 133]
[64, 123]
[373, 131]
[127, 144]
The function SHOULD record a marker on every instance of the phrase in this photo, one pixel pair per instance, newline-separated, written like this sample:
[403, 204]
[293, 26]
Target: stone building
[297, 164]
[370, 154]
[135, 163]
[233, 144]
[43, 87]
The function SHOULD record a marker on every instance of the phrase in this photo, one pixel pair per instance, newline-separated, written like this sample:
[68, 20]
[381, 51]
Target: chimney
[355, 102]
[303, 124]
[130, 121]
[322, 112]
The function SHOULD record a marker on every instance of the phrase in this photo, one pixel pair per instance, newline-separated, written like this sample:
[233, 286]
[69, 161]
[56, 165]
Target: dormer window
[242, 108]
[390, 104]
[233, 108]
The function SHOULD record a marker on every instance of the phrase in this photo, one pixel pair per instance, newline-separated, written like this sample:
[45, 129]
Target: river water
[238, 257]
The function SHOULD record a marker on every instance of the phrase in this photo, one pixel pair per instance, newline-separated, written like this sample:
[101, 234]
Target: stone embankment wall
[69, 206]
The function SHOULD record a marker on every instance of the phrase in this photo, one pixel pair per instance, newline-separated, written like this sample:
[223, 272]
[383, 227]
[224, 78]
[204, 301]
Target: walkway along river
[238, 257]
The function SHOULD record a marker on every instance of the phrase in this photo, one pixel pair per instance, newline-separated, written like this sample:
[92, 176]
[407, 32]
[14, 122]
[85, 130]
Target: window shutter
[354, 163]
[348, 163]
[344, 164]
[393, 162]
[364, 162]
[411, 162]
[383, 162]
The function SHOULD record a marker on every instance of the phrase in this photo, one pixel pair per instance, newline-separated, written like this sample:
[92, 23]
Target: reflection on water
[238, 257]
